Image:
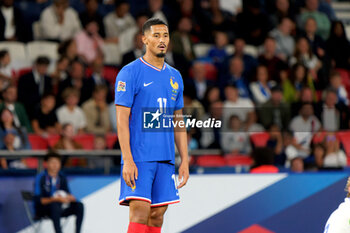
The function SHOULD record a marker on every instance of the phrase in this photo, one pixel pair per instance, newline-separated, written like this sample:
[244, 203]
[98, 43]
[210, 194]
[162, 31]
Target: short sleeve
[124, 88]
[180, 100]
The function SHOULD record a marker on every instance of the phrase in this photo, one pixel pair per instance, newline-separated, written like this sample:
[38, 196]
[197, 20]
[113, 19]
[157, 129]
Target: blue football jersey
[150, 92]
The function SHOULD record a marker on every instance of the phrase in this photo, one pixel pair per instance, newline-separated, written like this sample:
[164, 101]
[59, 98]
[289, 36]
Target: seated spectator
[334, 115]
[59, 21]
[18, 139]
[303, 54]
[253, 24]
[89, 42]
[91, 14]
[217, 53]
[32, 86]
[211, 138]
[236, 77]
[297, 165]
[6, 70]
[155, 10]
[60, 73]
[303, 127]
[319, 152]
[284, 41]
[275, 110]
[66, 141]
[334, 156]
[282, 9]
[316, 42]
[276, 145]
[199, 80]
[338, 46]
[269, 59]
[77, 80]
[235, 141]
[179, 61]
[19, 113]
[299, 78]
[99, 144]
[211, 95]
[307, 95]
[261, 89]
[45, 120]
[68, 48]
[251, 125]
[137, 52]
[120, 25]
[181, 39]
[52, 196]
[311, 10]
[263, 161]
[335, 82]
[235, 105]
[71, 112]
[96, 112]
[12, 27]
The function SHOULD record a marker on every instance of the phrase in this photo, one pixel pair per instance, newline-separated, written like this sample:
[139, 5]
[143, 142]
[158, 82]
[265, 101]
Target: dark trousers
[55, 212]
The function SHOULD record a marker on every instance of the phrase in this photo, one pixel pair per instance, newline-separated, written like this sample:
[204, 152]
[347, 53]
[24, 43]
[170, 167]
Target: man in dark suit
[137, 52]
[32, 86]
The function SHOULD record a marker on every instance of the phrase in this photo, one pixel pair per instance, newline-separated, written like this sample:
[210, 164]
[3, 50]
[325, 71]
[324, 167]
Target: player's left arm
[181, 144]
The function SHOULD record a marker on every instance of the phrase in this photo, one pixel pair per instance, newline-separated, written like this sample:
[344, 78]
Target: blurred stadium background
[276, 72]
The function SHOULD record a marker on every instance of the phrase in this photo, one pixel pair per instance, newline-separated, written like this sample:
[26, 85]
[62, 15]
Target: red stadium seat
[318, 137]
[86, 141]
[31, 163]
[37, 142]
[235, 160]
[111, 138]
[53, 139]
[109, 73]
[211, 161]
[211, 71]
[259, 139]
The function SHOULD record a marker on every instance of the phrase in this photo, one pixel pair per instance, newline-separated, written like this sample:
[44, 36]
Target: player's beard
[160, 55]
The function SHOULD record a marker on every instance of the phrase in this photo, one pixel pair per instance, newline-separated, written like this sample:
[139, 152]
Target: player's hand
[184, 174]
[130, 173]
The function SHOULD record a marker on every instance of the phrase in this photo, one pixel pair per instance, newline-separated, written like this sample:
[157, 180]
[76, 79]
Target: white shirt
[338, 222]
[330, 119]
[10, 28]
[336, 159]
[239, 108]
[304, 129]
[75, 117]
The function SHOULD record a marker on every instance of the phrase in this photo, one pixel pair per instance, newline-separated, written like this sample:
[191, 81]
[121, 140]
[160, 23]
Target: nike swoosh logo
[147, 84]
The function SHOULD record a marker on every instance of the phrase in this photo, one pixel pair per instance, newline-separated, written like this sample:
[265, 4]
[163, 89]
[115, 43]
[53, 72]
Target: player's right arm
[130, 172]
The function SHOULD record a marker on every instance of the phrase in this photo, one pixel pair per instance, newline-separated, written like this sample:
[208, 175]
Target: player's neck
[154, 60]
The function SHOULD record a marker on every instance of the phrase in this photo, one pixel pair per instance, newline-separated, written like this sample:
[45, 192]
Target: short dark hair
[52, 154]
[42, 60]
[3, 53]
[150, 22]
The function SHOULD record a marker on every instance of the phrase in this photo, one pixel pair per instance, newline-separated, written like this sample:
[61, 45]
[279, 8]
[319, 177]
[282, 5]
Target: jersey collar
[153, 67]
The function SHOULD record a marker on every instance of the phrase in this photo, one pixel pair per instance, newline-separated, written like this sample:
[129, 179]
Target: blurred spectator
[78, 80]
[236, 77]
[199, 81]
[299, 79]
[178, 60]
[68, 49]
[89, 42]
[232, 6]
[334, 156]
[235, 141]
[269, 59]
[19, 113]
[213, 19]
[338, 46]
[91, 14]
[32, 86]
[316, 42]
[335, 82]
[276, 145]
[12, 26]
[120, 25]
[251, 124]
[96, 112]
[297, 165]
[155, 8]
[326, 7]
[66, 141]
[263, 161]
[311, 10]
[284, 41]
[334, 115]
[6, 70]
[235, 105]
[59, 21]
[275, 110]
[137, 52]
[319, 153]
[303, 54]
[181, 39]
[282, 9]
[253, 24]
[217, 53]
[211, 95]
[303, 127]
[307, 95]
[211, 137]
[45, 120]
[71, 112]
[99, 144]
[60, 73]
[18, 140]
[261, 89]
[52, 196]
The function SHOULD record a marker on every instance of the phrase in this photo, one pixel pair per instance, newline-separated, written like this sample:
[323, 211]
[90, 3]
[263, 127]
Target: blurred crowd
[275, 66]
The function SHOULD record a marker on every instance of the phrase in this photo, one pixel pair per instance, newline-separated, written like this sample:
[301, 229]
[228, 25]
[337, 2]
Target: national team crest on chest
[175, 87]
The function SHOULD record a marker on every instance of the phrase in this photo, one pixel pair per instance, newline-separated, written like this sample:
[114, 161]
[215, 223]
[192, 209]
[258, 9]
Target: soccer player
[339, 221]
[149, 184]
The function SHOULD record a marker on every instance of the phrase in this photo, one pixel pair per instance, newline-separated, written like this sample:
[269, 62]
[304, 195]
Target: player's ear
[144, 39]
